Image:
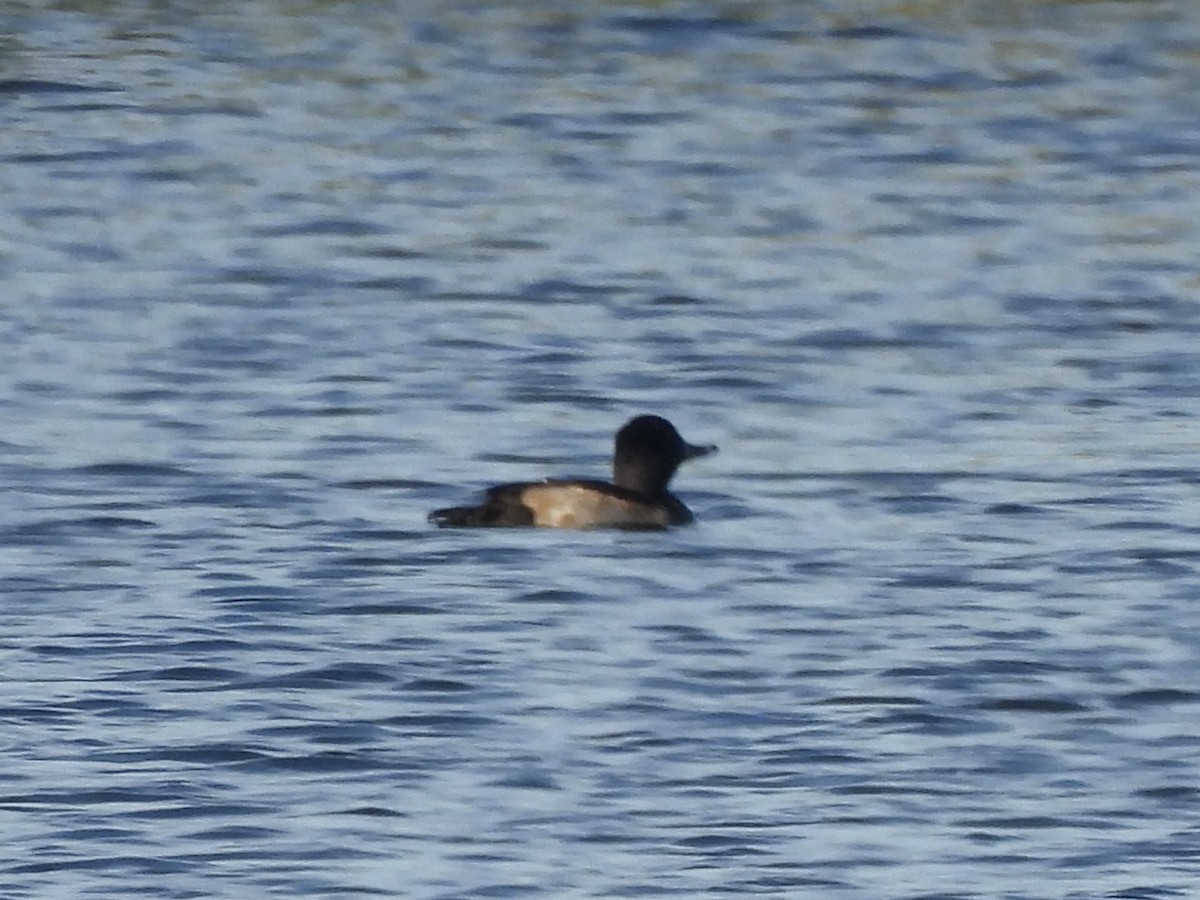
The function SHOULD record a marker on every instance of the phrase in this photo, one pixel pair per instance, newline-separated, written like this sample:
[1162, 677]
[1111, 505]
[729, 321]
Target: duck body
[648, 450]
[577, 503]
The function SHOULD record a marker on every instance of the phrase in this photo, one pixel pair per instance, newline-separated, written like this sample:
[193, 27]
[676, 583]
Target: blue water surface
[279, 278]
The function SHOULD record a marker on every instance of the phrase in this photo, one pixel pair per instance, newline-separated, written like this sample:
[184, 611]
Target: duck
[647, 451]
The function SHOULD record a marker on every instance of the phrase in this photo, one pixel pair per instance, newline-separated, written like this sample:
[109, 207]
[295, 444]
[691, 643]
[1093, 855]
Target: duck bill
[695, 451]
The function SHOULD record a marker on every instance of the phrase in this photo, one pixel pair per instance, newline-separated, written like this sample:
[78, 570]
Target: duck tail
[458, 517]
[501, 506]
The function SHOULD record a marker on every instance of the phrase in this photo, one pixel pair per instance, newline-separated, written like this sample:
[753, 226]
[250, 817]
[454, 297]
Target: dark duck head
[648, 451]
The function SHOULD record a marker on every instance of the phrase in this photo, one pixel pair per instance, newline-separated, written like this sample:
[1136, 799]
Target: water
[278, 280]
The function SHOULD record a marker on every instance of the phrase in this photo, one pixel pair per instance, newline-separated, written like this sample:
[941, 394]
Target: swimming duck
[647, 452]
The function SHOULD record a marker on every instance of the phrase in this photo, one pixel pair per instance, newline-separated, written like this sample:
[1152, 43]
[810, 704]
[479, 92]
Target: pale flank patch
[577, 506]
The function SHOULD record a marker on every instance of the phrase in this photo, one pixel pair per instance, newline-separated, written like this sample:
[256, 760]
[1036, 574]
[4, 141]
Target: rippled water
[279, 278]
